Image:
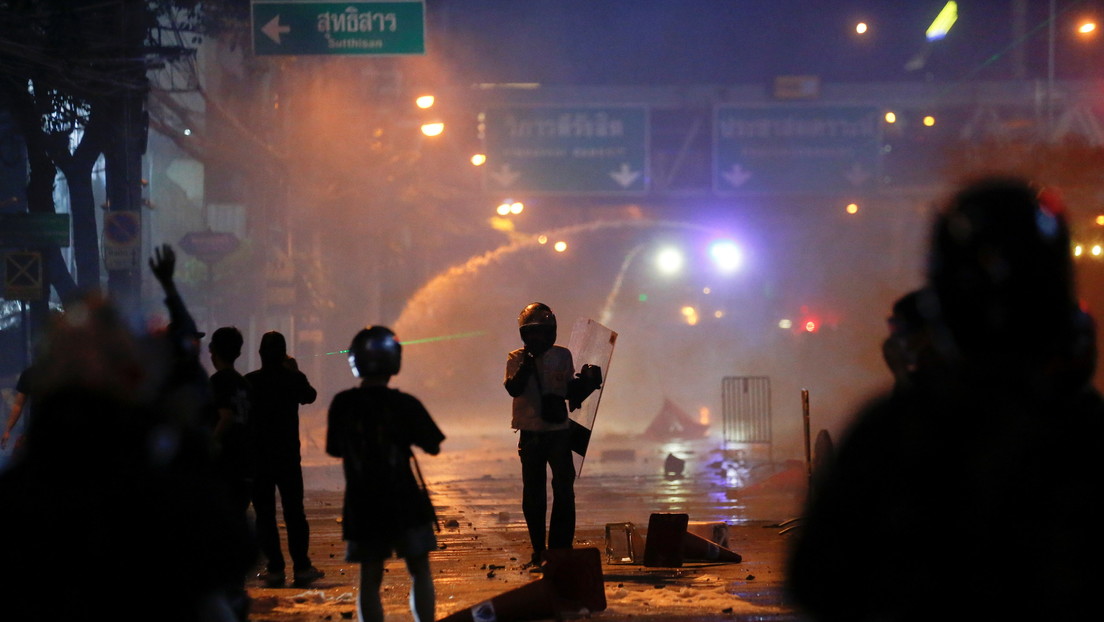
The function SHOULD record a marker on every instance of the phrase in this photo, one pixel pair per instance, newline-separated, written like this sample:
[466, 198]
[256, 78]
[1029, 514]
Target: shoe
[272, 578]
[303, 578]
[535, 563]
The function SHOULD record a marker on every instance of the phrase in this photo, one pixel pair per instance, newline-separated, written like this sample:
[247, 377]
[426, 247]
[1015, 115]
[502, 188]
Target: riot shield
[591, 343]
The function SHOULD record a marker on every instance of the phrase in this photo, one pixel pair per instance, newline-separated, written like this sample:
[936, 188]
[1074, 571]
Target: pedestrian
[278, 388]
[387, 509]
[540, 376]
[975, 482]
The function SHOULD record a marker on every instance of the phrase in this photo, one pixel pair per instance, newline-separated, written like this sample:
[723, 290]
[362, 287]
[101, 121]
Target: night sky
[668, 42]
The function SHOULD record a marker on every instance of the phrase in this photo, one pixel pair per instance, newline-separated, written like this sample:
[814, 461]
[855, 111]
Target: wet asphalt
[483, 543]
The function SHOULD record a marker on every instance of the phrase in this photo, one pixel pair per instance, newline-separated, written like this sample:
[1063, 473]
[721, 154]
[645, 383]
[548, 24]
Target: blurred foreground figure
[973, 494]
[113, 507]
[387, 509]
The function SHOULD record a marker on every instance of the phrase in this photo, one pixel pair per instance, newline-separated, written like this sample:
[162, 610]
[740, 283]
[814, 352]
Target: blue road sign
[567, 149]
[310, 27]
[795, 149]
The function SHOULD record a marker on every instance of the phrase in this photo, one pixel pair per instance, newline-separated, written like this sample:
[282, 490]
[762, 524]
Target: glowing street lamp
[669, 261]
[434, 128]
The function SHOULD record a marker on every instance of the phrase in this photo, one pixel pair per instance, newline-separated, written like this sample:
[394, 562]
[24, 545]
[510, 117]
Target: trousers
[539, 452]
[288, 478]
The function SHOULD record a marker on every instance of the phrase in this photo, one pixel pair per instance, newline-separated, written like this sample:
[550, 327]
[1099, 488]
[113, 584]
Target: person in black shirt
[372, 429]
[278, 390]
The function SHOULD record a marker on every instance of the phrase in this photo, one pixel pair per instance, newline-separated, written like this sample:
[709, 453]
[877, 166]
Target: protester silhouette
[229, 419]
[278, 388]
[112, 498]
[187, 399]
[971, 492]
[387, 509]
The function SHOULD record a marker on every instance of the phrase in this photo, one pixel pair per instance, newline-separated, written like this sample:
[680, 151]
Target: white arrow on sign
[273, 29]
[625, 175]
[858, 175]
[736, 176]
[505, 176]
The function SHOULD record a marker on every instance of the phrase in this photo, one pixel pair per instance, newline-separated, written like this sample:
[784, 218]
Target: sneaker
[272, 578]
[303, 578]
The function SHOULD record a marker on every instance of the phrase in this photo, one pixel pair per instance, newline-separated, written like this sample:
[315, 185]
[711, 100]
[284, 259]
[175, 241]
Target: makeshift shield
[591, 344]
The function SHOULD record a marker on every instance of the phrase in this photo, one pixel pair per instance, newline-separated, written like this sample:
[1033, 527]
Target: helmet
[375, 351]
[536, 314]
[1001, 268]
[537, 325]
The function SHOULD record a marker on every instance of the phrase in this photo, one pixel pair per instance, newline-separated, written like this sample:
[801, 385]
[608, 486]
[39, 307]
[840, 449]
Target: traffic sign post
[308, 27]
[209, 246]
[23, 276]
[567, 149]
[122, 239]
[33, 229]
[795, 149]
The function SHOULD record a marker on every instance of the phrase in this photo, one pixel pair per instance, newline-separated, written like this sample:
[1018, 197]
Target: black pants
[288, 478]
[538, 449]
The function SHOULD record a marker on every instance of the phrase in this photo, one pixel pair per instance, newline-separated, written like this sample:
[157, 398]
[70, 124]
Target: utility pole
[125, 145]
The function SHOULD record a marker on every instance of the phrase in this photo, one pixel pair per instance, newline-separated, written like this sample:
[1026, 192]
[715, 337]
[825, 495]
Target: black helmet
[1001, 268]
[536, 314]
[375, 351]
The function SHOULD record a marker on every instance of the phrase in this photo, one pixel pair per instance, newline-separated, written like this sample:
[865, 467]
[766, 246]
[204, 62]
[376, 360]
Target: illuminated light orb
[703, 415]
[785, 324]
[852, 208]
[861, 28]
[726, 255]
[890, 117]
[560, 246]
[478, 159]
[424, 101]
[187, 132]
[542, 239]
[1087, 28]
[1078, 250]
[1096, 250]
[718, 314]
[503, 208]
[707, 290]
[669, 261]
[690, 315]
[810, 326]
[517, 207]
[1100, 220]
[929, 120]
[433, 129]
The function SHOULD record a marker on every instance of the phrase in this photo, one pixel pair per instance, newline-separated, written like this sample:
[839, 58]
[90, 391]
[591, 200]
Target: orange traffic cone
[533, 601]
[697, 547]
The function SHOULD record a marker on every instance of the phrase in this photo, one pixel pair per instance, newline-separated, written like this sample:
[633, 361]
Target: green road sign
[32, 229]
[302, 27]
[567, 149]
[798, 149]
